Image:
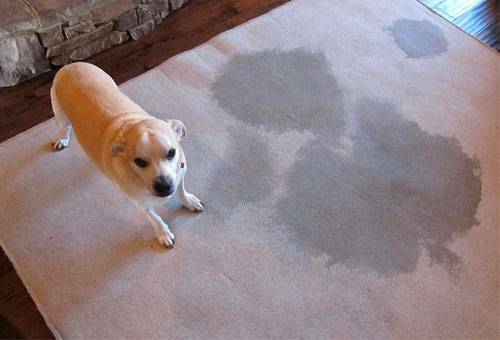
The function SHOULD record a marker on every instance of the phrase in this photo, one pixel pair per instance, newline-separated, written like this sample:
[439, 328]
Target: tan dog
[139, 152]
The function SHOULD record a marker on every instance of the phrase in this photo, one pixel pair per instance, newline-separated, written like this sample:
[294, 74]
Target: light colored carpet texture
[348, 156]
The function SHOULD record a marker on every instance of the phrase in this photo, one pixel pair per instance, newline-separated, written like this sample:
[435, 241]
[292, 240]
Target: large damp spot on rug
[281, 90]
[376, 203]
[418, 39]
[399, 191]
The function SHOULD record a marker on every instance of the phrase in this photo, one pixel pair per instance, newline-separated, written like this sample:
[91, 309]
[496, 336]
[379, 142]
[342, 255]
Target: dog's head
[152, 150]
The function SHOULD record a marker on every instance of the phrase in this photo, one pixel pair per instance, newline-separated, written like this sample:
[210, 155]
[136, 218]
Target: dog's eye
[141, 163]
[171, 154]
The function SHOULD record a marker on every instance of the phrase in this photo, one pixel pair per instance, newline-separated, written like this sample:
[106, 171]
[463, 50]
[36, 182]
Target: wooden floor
[28, 104]
[479, 18]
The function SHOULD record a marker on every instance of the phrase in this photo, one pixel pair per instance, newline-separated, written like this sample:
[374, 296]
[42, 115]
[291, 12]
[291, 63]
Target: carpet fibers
[347, 152]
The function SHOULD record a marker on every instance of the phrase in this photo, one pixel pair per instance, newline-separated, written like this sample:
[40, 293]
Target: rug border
[33, 296]
[11, 258]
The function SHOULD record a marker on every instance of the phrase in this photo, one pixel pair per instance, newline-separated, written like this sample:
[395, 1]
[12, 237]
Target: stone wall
[75, 33]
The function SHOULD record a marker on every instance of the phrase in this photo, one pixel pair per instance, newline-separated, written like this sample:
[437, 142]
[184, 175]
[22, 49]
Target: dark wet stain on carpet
[401, 190]
[244, 176]
[376, 205]
[281, 90]
[418, 39]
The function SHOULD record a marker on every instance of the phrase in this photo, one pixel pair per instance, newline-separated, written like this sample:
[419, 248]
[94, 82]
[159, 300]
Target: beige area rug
[347, 152]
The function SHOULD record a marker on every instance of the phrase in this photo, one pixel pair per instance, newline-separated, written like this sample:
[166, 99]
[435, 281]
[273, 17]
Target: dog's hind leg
[62, 139]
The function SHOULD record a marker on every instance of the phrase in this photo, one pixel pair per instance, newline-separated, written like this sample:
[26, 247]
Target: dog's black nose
[163, 186]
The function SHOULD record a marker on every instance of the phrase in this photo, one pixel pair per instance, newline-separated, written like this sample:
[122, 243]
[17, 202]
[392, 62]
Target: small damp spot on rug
[400, 191]
[244, 175]
[418, 39]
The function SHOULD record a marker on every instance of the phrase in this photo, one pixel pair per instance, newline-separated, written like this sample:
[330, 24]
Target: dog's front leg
[162, 231]
[188, 200]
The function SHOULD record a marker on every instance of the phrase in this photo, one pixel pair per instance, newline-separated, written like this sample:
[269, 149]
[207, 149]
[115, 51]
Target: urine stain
[275, 91]
[397, 191]
[418, 39]
[281, 90]
[244, 175]
[400, 191]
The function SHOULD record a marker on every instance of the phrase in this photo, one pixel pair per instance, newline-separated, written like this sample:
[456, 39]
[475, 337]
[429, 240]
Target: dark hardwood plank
[28, 104]
[19, 317]
[478, 18]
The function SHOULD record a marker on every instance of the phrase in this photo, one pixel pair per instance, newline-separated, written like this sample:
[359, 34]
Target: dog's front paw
[60, 144]
[166, 238]
[193, 203]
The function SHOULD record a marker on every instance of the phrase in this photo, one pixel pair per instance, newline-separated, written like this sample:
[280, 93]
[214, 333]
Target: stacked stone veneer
[75, 33]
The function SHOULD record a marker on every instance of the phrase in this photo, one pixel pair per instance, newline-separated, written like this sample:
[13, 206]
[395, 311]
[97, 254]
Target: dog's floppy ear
[179, 128]
[117, 149]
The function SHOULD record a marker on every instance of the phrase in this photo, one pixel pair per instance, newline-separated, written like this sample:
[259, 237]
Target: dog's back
[90, 100]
